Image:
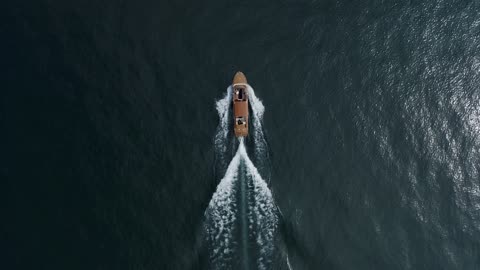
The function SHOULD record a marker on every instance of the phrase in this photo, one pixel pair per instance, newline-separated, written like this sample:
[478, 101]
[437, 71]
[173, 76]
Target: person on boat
[240, 94]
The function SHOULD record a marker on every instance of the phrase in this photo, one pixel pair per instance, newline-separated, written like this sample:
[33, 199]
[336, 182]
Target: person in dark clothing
[240, 94]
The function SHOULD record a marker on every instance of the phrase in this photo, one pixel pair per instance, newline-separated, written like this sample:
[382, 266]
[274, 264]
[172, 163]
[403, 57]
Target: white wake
[223, 209]
[221, 215]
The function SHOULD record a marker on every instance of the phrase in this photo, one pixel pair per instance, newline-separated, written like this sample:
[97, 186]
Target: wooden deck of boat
[240, 105]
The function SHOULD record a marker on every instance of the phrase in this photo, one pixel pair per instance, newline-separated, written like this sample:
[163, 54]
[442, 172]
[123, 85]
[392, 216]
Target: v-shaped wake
[241, 219]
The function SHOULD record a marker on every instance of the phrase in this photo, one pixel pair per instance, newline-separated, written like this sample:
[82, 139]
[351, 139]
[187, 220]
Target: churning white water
[254, 214]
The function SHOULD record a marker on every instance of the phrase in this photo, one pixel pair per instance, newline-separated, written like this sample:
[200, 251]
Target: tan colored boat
[240, 105]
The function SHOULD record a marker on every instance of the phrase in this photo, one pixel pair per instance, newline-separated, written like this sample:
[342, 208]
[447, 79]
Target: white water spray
[224, 115]
[262, 214]
[222, 212]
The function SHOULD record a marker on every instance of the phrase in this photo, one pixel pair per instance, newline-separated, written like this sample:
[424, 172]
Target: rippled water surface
[369, 146]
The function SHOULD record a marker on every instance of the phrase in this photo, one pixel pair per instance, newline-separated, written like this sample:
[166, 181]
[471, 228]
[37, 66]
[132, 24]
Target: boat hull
[240, 105]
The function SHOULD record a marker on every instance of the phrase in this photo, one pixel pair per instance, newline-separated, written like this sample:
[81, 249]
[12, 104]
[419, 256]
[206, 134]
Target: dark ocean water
[108, 121]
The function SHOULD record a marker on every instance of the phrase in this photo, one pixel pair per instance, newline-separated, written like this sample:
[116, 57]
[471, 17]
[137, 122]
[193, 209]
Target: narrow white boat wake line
[242, 212]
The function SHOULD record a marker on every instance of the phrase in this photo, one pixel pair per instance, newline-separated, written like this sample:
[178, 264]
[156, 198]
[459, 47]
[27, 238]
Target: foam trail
[221, 140]
[222, 106]
[258, 109]
[221, 215]
[244, 212]
[288, 263]
[242, 202]
[261, 155]
[263, 217]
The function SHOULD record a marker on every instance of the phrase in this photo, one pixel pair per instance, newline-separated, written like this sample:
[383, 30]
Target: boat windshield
[240, 120]
[240, 92]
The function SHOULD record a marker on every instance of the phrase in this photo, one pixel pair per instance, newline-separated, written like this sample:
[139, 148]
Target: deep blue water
[372, 131]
